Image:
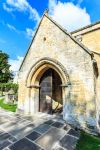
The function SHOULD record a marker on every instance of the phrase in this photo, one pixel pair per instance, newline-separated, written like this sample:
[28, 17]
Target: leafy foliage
[8, 86]
[5, 73]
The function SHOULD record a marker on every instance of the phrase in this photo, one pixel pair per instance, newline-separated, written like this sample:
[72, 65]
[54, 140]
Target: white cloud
[29, 32]
[23, 6]
[68, 15]
[15, 63]
[11, 27]
[52, 5]
[7, 8]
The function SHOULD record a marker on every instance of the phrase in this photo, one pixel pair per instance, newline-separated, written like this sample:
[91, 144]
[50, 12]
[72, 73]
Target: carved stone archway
[33, 78]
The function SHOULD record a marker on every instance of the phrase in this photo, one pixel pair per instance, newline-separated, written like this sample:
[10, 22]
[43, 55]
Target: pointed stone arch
[34, 76]
[41, 65]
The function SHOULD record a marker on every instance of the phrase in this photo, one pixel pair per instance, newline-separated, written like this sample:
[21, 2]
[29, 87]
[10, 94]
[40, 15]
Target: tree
[5, 73]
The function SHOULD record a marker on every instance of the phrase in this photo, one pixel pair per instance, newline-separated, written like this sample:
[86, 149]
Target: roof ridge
[64, 30]
[85, 27]
[96, 52]
[68, 33]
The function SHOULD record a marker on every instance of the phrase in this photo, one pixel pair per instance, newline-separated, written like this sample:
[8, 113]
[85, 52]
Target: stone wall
[52, 42]
[90, 37]
[97, 58]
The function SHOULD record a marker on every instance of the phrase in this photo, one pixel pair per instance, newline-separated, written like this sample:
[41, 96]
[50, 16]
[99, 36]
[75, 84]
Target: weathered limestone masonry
[52, 47]
[90, 36]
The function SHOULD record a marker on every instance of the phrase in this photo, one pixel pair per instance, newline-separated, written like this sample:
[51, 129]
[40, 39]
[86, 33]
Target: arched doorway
[34, 78]
[50, 93]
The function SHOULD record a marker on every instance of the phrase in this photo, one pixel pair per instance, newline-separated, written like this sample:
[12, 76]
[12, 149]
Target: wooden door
[45, 103]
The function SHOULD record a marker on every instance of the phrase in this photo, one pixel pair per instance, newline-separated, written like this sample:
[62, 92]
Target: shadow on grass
[88, 142]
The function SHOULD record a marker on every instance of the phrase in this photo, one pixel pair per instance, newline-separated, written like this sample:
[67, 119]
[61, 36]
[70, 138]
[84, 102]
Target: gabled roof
[88, 26]
[61, 28]
[95, 52]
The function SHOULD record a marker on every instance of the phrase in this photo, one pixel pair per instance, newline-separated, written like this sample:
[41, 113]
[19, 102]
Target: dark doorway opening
[50, 94]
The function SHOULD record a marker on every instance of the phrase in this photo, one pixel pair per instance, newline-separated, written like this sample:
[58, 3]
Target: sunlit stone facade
[77, 66]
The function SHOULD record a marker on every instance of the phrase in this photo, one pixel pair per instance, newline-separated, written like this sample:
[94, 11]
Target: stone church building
[60, 73]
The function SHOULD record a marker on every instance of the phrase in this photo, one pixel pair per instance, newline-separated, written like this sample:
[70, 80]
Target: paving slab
[4, 137]
[24, 144]
[48, 140]
[42, 128]
[12, 139]
[68, 142]
[1, 131]
[39, 132]
[57, 147]
[23, 131]
[6, 148]
[58, 124]
[74, 133]
[2, 121]
[38, 121]
[33, 136]
[13, 126]
[5, 144]
[49, 122]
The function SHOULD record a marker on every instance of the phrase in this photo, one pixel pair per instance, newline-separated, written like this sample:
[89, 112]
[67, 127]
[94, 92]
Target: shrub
[5, 87]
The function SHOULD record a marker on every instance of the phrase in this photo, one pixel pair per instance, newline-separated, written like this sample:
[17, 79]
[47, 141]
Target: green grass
[88, 142]
[9, 107]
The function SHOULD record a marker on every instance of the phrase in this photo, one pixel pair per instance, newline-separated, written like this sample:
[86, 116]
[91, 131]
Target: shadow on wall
[95, 68]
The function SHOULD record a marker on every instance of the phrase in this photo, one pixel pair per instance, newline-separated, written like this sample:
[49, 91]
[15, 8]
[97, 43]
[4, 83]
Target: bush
[5, 87]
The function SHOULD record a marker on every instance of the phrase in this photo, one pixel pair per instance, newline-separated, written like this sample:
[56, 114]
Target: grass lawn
[9, 107]
[88, 142]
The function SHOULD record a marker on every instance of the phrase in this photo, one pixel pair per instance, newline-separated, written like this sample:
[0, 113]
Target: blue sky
[19, 19]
